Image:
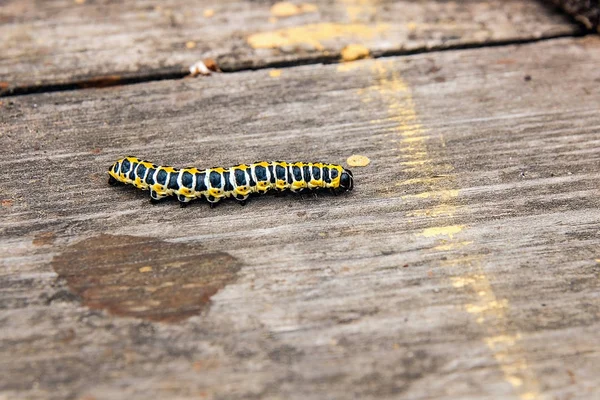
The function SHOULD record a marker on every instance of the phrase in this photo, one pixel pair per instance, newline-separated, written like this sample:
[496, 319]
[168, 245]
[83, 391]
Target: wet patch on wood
[144, 277]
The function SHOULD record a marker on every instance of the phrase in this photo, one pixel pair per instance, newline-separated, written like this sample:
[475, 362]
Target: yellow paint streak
[286, 9]
[359, 9]
[313, 35]
[354, 52]
[452, 246]
[414, 146]
[347, 67]
[490, 313]
[435, 211]
[442, 195]
[422, 181]
[275, 73]
[449, 231]
[146, 269]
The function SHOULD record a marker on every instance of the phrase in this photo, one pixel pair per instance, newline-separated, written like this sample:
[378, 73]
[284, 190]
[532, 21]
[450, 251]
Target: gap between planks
[174, 73]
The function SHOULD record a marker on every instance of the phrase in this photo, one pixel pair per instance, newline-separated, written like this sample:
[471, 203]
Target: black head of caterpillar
[346, 181]
[239, 182]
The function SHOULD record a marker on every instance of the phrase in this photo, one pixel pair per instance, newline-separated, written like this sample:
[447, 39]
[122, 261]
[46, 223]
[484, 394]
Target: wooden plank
[68, 44]
[464, 264]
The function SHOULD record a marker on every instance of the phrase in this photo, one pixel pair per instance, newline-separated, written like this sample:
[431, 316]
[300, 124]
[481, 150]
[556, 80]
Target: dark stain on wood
[144, 277]
[44, 239]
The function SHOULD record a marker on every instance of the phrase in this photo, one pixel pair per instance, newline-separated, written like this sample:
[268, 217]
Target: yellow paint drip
[275, 73]
[286, 9]
[356, 160]
[354, 52]
[313, 35]
[449, 231]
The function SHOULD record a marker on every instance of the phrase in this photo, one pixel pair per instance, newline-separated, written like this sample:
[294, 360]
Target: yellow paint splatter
[354, 52]
[146, 269]
[356, 160]
[208, 13]
[449, 231]
[275, 73]
[286, 9]
[190, 44]
[313, 35]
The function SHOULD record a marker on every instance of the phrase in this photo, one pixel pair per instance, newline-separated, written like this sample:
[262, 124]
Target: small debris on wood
[356, 160]
[204, 67]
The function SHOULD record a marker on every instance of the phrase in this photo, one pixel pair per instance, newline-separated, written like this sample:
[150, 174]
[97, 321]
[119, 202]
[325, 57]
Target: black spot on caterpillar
[239, 182]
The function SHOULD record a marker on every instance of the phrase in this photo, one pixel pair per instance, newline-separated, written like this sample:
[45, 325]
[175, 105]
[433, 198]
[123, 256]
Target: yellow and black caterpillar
[238, 182]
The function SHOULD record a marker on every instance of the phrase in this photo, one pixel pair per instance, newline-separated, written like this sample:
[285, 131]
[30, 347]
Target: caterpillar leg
[113, 182]
[242, 202]
[155, 197]
[183, 201]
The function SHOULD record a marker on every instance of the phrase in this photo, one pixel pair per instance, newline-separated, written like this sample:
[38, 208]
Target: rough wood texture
[464, 265]
[93, 43]
[585, 11]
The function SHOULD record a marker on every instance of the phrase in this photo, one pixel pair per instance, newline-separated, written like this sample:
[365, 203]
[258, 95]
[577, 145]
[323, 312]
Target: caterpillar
[239, 182]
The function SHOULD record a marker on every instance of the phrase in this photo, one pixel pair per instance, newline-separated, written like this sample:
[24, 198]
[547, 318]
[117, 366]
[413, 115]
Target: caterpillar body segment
[239, 182]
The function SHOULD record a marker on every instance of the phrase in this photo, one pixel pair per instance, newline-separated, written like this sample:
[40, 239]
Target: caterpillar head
[346, 180]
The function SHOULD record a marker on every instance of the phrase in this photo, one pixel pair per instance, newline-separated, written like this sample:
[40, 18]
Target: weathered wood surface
[584, 11]
[69, 43]
[465, 264]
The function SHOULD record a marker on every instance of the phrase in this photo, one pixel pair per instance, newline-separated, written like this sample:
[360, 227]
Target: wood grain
[70, 44]
[464, 264]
